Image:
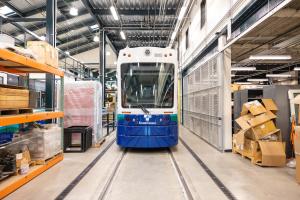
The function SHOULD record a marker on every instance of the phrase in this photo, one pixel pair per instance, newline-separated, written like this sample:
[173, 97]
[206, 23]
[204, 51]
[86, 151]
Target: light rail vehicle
[147, 97]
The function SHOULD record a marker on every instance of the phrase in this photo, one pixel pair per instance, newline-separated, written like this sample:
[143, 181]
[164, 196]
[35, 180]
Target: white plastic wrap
[83, 106]
[45, 143]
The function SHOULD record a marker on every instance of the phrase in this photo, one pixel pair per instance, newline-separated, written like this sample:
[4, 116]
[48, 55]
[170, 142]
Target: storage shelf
[6, 120]
[14, 63]
[14, 182]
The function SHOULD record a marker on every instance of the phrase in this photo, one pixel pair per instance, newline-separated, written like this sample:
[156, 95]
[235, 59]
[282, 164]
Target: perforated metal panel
[202, 101]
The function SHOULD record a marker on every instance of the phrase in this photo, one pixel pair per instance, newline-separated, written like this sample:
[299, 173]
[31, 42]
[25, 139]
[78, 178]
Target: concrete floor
[150, 175]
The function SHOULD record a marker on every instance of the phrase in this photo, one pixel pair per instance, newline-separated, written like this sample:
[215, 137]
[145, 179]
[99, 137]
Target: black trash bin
[77, 138]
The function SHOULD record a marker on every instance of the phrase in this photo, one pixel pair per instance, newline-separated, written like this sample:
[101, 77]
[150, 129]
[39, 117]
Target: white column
[226, 82]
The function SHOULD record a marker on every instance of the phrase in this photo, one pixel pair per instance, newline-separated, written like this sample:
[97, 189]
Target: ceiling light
[94, 27]
[96, 38]
[297, 69]
[278, 75]
[108, 53]
[74, 11]
[182, 12]
[67, 52]
[114, 13]
[123, 35]
[243, 68]
[257, 79]
[43, 38]
[173, 35]
[270, 57]
[232, 75]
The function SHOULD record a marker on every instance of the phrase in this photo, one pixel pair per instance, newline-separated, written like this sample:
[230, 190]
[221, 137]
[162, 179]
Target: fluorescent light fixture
[278, 75]
[94, 27]
[96, 38]
[108, 53]
[243, 68]
[173, 35]
[270, 57]
[43, 38]
[67, 52]
[257, 79]
[243, 83]
[297, 69]
[123, 35]
[114, 13]
[182, 12]
[74, 11]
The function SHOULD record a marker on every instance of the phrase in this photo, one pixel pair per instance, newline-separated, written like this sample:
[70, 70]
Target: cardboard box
[270, 105]
[250, 147]
[243, 121]
[260, 119]
[272, 154]
[262, 131]
[13, 98]
[248, 121]
[235, 87]
[254, 107]
[44, 52]
[23, 157]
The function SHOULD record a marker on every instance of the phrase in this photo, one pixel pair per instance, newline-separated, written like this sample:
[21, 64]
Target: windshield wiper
[144, 109]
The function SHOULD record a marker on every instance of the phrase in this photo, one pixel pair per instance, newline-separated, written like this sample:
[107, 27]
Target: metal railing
[108, 122]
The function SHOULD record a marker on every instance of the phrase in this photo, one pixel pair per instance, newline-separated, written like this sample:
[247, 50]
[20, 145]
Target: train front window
[148, 85]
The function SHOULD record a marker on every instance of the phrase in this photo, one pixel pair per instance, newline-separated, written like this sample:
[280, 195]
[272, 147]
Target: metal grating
[202, 102]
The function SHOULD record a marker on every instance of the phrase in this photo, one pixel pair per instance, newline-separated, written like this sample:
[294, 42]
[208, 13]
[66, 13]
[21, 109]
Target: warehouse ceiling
[278, 35]
[144, 22]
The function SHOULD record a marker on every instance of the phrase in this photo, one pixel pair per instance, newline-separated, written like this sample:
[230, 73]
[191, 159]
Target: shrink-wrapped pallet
[83, 106]
[45, 142]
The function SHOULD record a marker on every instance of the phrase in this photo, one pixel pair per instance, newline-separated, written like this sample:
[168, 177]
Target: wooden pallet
[15, 111]
[44, 162]
[245, 154]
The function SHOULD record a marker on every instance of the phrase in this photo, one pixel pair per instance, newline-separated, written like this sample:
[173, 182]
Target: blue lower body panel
[147, 136]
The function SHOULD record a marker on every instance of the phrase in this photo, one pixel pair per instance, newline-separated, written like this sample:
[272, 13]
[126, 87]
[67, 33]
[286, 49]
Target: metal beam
[51, 38]
[76, 45]
[24, 19]
[102, 54]
[41, 25]
[138, 27]
[84, 49]
[76, 26]
[60, 4]
[18, 12]
[134, 11]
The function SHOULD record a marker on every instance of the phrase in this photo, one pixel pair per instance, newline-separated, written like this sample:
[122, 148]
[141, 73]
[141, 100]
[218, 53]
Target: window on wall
[187, 39]
[203, 13]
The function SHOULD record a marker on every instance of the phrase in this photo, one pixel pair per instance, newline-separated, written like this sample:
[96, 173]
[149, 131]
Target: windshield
[150, 85]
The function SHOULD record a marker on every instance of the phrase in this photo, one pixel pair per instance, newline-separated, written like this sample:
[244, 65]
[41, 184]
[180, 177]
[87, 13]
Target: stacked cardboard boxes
[44, 52]
[259, 139]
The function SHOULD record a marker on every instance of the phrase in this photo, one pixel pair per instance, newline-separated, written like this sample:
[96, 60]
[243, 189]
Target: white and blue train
[147, 97]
